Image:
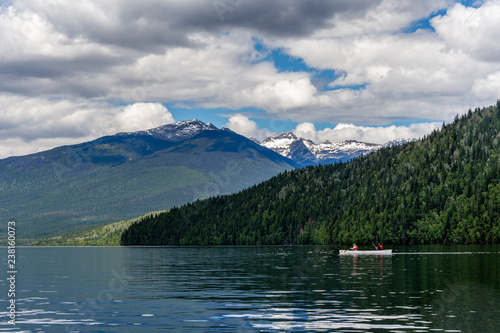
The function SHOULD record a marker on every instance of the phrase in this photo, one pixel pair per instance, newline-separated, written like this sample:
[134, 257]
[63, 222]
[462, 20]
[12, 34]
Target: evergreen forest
[442, 189]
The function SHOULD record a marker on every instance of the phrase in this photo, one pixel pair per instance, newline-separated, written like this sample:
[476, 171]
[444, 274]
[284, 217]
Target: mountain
[443, 189]
[305, 152]
[126, 175]
[177, 132]
[280, 143]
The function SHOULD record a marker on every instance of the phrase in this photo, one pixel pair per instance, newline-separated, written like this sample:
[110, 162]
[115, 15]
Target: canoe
[370, 252]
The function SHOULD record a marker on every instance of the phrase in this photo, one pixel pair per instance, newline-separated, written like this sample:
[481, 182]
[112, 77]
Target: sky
[368, 70]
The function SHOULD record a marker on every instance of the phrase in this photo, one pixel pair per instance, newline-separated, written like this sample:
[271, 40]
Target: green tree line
[442, 189]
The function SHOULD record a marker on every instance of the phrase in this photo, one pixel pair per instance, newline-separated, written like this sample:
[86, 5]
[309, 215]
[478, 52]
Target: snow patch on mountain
[280, 143]
[180, 131]
[300, 150]
[289, 145]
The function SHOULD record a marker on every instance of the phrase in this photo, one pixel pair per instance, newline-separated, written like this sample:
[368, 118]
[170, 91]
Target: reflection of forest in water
[269, 288]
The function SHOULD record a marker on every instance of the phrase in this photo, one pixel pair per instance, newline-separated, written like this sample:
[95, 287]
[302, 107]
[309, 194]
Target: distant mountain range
[305, 152]
[443, 189]
[126, 175]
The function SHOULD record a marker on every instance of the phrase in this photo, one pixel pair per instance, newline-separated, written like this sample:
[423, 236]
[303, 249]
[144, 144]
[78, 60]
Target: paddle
[375, 246]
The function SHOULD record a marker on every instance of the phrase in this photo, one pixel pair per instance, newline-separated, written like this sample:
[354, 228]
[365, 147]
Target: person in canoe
[354, 247]
[379, 247]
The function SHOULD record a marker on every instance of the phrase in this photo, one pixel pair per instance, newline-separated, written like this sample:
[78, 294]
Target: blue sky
[284, 62]
[368, 70]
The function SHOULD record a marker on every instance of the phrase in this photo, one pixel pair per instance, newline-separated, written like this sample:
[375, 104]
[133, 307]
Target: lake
[254, 289]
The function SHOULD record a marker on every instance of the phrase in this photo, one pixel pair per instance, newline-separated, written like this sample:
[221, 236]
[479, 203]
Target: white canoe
[371, 252]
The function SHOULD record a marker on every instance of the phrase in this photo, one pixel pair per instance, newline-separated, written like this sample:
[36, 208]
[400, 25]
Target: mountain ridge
[122, 176]
[442, 189]
[179, 131]
[289, 145]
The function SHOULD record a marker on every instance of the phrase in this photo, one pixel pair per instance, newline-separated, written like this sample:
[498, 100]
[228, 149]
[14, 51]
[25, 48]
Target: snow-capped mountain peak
[280, 143]
[284, 138]
[307, 152]
[181, 130]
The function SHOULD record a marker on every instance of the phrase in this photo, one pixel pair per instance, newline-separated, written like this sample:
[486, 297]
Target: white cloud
[423, 74]
[285, 94]
[34, 124]
[140, 116]
[246, 127]
[307, 131]
[472, 30]
[220, 74]
[383, 17]
[487, 88]
[341, 132]
[405, 75]
[64, 60]
[371, 134]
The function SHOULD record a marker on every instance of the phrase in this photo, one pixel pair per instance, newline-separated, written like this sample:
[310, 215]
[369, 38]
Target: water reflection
[248, 289]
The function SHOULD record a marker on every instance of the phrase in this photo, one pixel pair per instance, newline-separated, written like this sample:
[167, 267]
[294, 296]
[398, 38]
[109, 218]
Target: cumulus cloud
[83, 49]
[384, 16]
[471, 30]
[284, 94]
[307, 131]
[152, 25]
[66, 61]
[140, 116]
[371, 134]
[488, 87]
[171, 51]
[422, 74]
[34, 124]
[246, 127]
[341, 132]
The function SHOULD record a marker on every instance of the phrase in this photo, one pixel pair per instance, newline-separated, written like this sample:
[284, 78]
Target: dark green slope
[442, 189]
[125, 176]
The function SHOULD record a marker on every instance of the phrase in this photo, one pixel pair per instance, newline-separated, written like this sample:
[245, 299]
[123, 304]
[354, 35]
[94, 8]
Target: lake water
[254, 289]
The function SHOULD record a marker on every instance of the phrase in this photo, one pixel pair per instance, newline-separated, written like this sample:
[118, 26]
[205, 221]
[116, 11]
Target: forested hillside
[442, 189]
[62, 190]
